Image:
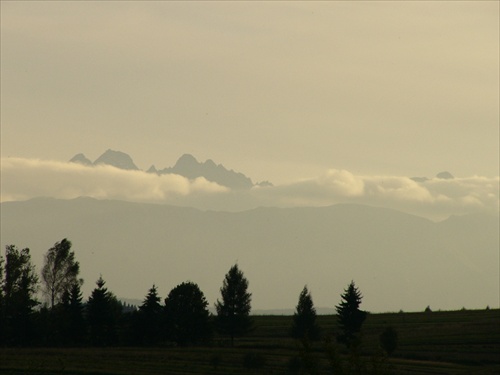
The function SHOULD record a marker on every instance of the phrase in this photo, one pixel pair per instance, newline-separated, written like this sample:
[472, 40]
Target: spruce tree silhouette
[150, 318]
[74, 321]
[103, 311]
[350, 317]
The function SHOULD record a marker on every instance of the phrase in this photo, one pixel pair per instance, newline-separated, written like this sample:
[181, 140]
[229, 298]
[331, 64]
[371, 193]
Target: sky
[281, 91]
[331, 101]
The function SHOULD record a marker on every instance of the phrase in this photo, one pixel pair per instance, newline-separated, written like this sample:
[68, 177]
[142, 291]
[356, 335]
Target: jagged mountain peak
[117, 159]
[152, 169]
[210, 163]
[187, 165]
[186, 161]
[81, 159]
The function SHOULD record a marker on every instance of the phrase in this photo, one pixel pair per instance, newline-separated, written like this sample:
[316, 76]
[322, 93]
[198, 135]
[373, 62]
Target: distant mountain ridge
[399, 261]
[445, 175]
[189, 167]
[116, 159]
[81, 159]
[186, 166]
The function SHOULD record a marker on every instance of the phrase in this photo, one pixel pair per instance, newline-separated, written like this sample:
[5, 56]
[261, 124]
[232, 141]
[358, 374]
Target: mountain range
[186, 166]
[189, 167]
[398, 260]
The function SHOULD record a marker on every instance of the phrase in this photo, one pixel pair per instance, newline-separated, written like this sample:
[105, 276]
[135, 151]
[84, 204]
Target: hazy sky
[281, 91]
[331, 101]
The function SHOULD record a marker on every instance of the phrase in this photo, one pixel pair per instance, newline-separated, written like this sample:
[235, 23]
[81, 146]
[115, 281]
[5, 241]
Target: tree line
[102, 320]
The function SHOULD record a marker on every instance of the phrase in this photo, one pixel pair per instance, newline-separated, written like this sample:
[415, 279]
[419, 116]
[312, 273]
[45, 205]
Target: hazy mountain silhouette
[445, 175]
[117, 159]
[441, 175]
[152, 169]
[399, 261]
[419, 179]
[186, 166]
[80, 158]
[189, 167]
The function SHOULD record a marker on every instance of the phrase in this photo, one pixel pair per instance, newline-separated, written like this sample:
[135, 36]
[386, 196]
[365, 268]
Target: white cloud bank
[435, 198]
[27, 178]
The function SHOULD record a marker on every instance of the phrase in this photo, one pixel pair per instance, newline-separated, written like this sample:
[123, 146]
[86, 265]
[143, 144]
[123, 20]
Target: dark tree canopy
[60, 271]
[350, 317]
[234, 309]
[304, 319]
[187, 315]
[20, 285]
[2, 301]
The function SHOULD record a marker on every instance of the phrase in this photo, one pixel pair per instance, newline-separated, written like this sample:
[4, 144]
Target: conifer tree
[304, 319]
[150, 318]
[73, 309]
[151, 304]
[234, 309]
[103, 311]
[350, 317]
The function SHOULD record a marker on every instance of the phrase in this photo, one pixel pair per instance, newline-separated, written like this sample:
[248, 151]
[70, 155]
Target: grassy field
[456, 342]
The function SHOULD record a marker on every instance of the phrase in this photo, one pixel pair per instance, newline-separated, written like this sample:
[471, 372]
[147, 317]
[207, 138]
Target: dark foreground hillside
[457, 342]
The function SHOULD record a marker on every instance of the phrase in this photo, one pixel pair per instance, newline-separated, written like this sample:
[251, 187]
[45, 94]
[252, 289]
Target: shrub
[215, 360]
[389, 340]
[254, 360]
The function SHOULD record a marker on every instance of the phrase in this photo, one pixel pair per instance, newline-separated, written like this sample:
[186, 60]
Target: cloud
[28, 178]
[434, 198]
[343, 182]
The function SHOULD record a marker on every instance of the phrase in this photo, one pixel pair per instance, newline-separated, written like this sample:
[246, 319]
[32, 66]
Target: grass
[454, 342]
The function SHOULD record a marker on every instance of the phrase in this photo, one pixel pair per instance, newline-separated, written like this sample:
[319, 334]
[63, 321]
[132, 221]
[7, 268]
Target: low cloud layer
[434, 198]
[27, 178]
